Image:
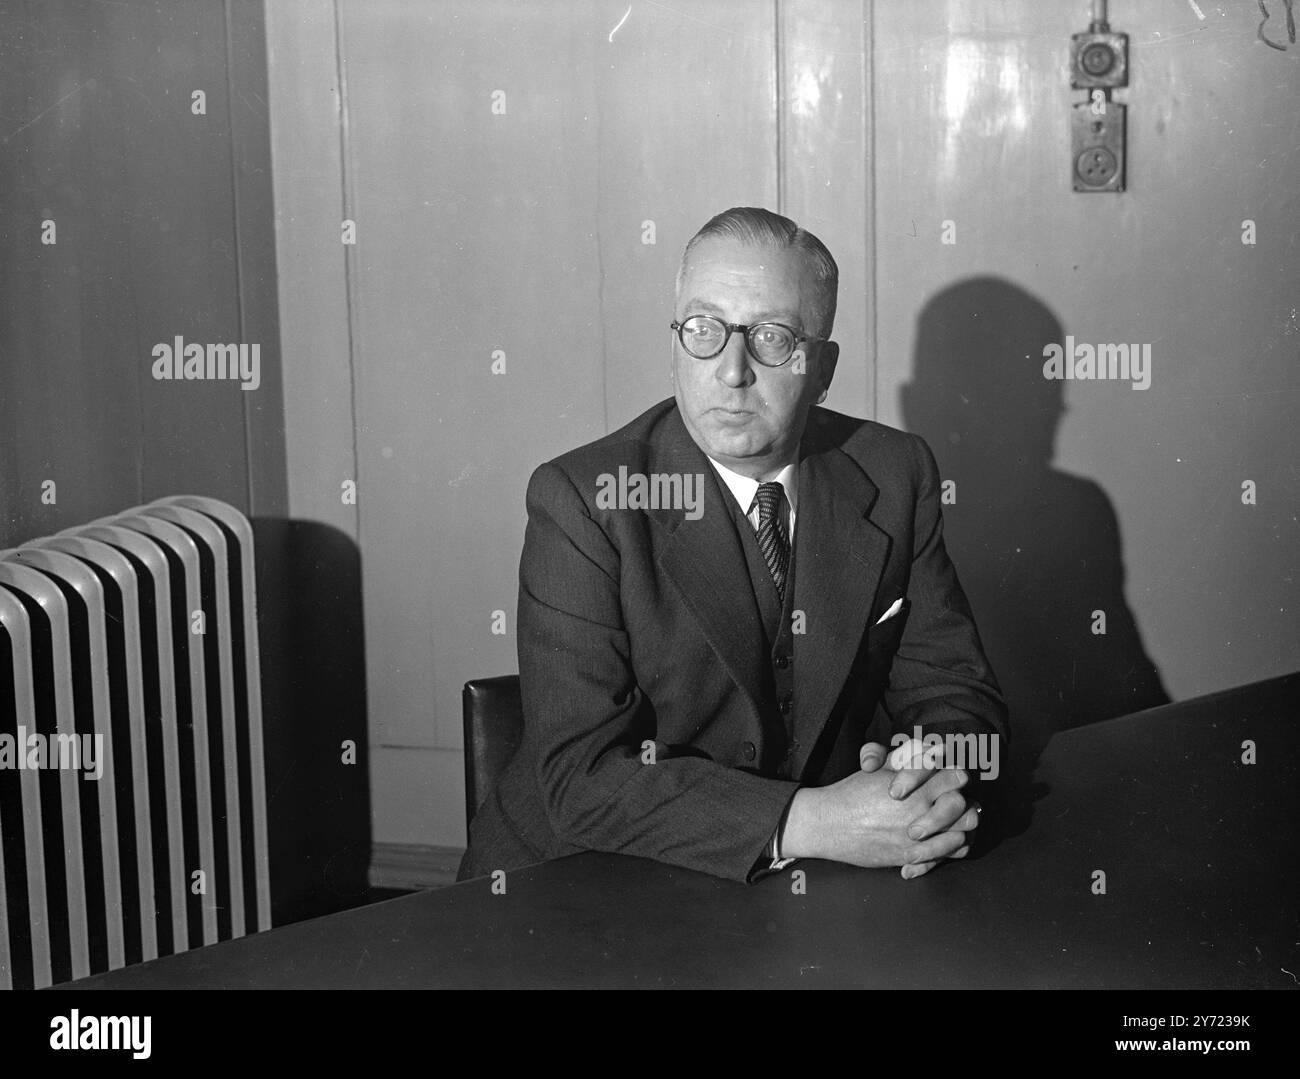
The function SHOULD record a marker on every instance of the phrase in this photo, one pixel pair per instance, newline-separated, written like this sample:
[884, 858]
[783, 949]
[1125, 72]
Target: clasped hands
[901, 808]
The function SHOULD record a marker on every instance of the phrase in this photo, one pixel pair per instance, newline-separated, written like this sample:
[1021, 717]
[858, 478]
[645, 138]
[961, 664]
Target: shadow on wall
[1037, 550]
[314, 700]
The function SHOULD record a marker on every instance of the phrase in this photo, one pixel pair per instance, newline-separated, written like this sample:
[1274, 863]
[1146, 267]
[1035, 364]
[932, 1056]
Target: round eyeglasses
[770, 343]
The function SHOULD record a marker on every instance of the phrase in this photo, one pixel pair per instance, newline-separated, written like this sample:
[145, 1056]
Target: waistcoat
[777, 704]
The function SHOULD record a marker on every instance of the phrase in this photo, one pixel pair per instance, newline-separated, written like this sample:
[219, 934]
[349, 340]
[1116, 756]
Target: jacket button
[783, 662]
[785, 701]
[749, 751]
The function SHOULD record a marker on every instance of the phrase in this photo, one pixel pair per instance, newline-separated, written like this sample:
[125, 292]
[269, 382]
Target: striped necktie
[773, 539]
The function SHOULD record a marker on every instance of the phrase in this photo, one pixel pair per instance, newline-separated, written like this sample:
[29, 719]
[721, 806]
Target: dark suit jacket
[642, 625]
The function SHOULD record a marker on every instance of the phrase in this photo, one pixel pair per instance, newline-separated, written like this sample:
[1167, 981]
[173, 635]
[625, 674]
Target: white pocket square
[894, 608]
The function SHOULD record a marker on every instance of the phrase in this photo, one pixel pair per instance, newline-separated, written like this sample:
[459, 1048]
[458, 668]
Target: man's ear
[826, 360]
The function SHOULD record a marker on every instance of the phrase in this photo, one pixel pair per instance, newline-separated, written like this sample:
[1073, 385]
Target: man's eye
[704, 333]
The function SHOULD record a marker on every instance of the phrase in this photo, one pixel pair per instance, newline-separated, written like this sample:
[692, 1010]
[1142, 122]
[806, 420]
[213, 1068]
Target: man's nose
[733, 363]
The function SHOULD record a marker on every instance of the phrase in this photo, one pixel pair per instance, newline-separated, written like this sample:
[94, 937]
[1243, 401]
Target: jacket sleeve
[941, 680]
[608, 783]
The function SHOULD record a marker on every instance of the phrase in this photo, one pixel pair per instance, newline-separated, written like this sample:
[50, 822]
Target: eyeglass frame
[746, 330]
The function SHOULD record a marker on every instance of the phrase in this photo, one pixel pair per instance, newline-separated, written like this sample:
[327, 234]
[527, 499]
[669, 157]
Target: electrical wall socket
[1097, 130]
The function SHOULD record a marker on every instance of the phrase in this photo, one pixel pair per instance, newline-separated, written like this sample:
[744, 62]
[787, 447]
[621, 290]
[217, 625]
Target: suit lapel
[704, 560]
[839, 559]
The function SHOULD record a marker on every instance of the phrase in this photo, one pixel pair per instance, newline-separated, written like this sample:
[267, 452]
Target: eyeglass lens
[704, 337]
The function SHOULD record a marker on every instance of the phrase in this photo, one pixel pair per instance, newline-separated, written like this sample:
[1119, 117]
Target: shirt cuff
[778, 863]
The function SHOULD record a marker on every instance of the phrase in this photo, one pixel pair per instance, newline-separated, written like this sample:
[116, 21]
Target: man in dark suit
[727, 607]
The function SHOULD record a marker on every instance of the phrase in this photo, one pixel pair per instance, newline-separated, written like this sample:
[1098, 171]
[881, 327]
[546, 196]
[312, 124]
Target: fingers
[907, 781]
[910, 753]
[919, 858]
[871, 756]
[948, 809]
[916, 754]
[914, 764]
[968, 821]
[909, 761]
[943, 781]
[913, 870]
[948, 812]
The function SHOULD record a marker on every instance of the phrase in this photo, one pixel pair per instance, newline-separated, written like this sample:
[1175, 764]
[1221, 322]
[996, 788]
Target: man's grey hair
[755, 226]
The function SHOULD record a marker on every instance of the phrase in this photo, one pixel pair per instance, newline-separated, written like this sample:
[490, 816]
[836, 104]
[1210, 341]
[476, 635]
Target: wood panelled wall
[161, 221]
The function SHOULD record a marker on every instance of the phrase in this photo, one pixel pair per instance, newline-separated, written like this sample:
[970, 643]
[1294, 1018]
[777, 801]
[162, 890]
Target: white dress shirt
[745, 489]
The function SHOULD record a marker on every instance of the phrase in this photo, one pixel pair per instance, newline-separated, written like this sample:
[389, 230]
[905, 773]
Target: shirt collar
[745, 488]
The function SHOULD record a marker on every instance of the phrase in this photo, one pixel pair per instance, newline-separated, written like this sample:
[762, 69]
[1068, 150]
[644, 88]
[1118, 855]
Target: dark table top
[1199, 852]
